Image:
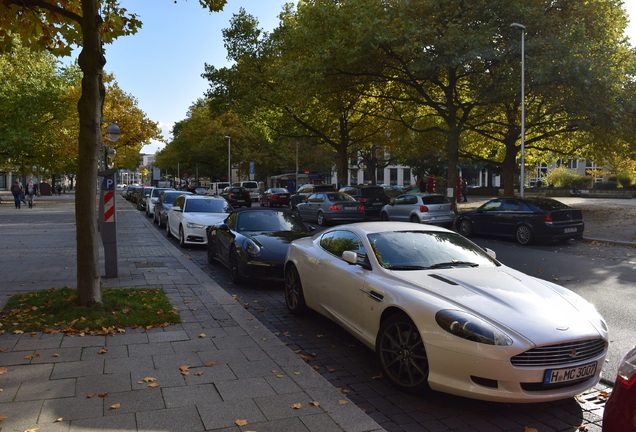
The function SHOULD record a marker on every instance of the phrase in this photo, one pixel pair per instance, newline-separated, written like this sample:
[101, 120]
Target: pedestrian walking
[16, 190]
[30, 191]
[58, 188]
[465, 190]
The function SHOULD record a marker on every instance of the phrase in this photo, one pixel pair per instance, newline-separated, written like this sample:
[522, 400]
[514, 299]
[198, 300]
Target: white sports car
[191, 215]
[440, 312]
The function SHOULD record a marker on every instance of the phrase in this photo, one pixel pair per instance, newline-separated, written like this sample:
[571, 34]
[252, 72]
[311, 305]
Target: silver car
[433, 209]
[328, 207]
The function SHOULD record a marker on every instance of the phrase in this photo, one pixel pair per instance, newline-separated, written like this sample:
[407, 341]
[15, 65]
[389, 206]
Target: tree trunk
[509, 165]
[91, 62]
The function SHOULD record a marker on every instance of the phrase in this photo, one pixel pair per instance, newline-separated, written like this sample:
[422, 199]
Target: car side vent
[443, 279]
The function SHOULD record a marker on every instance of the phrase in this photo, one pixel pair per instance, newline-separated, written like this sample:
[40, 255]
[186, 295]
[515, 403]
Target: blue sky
[161, 65]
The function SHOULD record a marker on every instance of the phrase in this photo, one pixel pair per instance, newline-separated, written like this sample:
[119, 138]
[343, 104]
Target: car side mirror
[350, 256]
[177, 209]
[224, 227]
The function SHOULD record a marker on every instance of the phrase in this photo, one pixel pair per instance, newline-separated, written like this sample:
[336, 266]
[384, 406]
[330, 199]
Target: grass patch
[54, 311]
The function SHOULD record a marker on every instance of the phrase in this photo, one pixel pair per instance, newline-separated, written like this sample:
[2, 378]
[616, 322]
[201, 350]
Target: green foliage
[57, 310]
[562, 177]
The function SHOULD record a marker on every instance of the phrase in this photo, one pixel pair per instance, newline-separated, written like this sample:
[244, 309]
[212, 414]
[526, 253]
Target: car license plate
[569, 230]
[377, 204]
[556, 376]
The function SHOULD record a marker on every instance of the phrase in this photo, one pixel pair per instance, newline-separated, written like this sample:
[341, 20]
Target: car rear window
[250, 185]
[434, 199]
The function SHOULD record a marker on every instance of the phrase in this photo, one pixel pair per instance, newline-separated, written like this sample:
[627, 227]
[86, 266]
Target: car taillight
[363, 200]
[548, 218]
[423, 209]
[231, 195]
[360, 208]
[247, 194]
[627, 369]
[335, 207]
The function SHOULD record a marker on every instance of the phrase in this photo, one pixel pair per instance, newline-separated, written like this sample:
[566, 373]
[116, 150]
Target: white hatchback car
[191, 215]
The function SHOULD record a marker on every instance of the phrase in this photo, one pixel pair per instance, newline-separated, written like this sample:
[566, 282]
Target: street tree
[57, 26]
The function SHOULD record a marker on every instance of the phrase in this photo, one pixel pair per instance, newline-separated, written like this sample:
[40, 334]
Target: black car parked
[372, 197]
[526, 220]
[237, 196]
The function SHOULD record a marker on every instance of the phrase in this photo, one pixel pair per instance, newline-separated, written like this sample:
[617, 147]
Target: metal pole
[229, 164]
[523, 107]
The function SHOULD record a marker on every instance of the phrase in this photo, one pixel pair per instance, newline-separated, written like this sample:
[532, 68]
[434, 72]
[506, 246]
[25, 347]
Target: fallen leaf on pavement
[240, 422]
[102, 394]
[342, 402]
[297, 405]
[115, 406]
[59, 419]
[3, 418]
[201, 335]
[90, 395]
[103, 350]
[154, 385]
[527, 429]
[314, 403]
[209, 364]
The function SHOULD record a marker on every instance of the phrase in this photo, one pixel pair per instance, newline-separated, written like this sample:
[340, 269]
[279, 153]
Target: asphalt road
[602, 273]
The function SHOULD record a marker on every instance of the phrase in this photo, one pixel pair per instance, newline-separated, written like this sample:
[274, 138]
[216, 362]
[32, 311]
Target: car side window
[400, 200]
[316, 198]
[510, 205]
[179, 202]
[492, 206]
[411, 199]
[336, 242]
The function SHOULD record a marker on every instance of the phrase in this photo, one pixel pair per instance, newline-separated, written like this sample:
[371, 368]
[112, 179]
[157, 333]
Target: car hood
[205, 218]
[537, 310]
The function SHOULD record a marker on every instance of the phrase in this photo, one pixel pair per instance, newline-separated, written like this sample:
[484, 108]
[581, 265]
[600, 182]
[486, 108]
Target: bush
[562, 177]
[608, 185]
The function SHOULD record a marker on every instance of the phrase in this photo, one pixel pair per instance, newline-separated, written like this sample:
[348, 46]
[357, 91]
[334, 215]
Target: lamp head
[518, 26]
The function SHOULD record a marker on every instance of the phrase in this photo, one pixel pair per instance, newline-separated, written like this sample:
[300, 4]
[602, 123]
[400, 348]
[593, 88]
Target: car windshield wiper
[406, 267]
[451, 264]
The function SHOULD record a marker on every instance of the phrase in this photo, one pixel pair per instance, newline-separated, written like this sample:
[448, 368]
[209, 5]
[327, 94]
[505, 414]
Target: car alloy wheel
[182, 242]
[320, 218]
[402, 355]
[211, 254]
[524, 234]
[465, 228]
[168, 233]
[294, 297]
[234, 266]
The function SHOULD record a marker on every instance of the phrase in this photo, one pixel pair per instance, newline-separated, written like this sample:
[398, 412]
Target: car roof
[385, 226]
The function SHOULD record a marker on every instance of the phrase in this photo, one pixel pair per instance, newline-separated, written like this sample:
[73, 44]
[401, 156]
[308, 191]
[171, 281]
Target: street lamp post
[229, 164]
[522, 28]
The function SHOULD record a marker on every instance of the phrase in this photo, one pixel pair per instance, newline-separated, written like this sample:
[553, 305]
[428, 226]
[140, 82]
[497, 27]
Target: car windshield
[278, 190]
[169, 198]
[269, 221]
[207, 206]
[421, 250]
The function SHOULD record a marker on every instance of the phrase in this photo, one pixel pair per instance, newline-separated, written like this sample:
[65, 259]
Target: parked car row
[439, 311]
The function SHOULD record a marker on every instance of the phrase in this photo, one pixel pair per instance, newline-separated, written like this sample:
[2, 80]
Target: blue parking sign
[108, 183]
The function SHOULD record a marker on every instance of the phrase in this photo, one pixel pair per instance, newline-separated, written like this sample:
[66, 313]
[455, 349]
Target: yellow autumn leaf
[529, 429]
[314, 403]
[3, 370]
[201, 335]
[3, 418]
[154, 385]
[297, 405]
[115, 406]
[59, 419]
[18, 332]
[240, 422]
[32, 430]
[279, 376]
[149, 379]
[342, 402]
[103, 350]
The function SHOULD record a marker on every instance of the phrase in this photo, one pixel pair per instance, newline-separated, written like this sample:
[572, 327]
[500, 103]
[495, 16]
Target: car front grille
[560, 354]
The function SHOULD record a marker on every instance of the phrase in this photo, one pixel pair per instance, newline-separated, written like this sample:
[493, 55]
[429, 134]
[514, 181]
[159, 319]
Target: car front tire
[402, 356]
[235, 273]
[182, 242]
[294, 296]
[465, 228]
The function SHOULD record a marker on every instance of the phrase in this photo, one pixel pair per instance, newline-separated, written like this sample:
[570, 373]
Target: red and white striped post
[107, 219]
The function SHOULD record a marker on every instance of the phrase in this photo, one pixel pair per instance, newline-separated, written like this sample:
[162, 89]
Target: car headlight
[251, 248]
[470, 327]
[193, 225]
